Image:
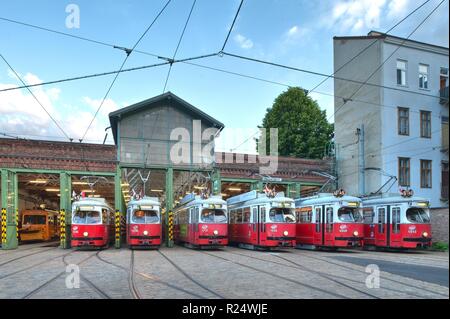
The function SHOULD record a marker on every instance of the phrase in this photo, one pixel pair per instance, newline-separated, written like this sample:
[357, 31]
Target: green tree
[303, 129]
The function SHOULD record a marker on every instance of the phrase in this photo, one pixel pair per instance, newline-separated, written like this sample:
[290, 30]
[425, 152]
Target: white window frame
[404, 70]
[427, 75]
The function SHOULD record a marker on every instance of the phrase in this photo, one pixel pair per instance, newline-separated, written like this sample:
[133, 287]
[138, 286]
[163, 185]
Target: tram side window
[262, 214]
[239, 216]
[368, 215]
[34, 220]
[396, 220]
[304, 215]
[381, 219]
[247, 215]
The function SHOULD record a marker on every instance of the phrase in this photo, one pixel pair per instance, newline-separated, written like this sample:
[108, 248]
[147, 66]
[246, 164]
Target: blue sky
[293, 32]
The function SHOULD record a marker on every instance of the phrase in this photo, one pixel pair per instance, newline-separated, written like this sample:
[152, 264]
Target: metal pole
[169, 205]
[362, 164]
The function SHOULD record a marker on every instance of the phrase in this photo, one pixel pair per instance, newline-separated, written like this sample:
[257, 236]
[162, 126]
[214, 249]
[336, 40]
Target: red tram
[261, 221]
[144, 228]
[397, 221]
[329, 221]
[92, 223]
[201, 222]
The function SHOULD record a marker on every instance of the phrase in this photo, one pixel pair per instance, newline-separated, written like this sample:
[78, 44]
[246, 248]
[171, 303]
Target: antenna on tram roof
[144, 180]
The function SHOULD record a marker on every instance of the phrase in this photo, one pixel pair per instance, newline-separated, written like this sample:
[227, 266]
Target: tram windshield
[213, 216]
[417, 215]
[282, 215]
[34, 220]
[87, 217]
[349, 215]
[145, 217]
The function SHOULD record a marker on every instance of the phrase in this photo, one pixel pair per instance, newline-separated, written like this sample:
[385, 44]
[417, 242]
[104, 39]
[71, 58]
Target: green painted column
[65, 204]
[169, 204]
[9, 206]
[297, 190]
[119, 205]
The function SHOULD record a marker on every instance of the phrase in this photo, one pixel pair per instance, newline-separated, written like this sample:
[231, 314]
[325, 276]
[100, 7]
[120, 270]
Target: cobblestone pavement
[44, 271]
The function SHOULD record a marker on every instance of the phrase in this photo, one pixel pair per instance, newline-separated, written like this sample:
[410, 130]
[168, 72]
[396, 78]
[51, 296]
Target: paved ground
[39, 271]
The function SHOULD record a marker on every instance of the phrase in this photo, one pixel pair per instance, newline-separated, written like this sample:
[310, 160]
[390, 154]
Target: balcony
[443, 95]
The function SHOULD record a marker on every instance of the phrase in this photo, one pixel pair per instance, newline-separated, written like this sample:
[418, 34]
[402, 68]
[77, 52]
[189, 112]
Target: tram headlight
[425, 234]
[216, 232]
[145, 233]
[286, 233]
[355, 233]
[85, 234]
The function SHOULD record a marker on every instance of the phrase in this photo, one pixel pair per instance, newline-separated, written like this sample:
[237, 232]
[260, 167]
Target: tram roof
[154, 201]
[91, 201]
[324, 198]
[199, 200]
[392, 198]
[114, 117]
[254, 198]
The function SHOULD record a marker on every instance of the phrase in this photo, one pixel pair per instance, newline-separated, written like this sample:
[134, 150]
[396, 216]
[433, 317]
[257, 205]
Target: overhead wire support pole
[37, 100]
[128, 52]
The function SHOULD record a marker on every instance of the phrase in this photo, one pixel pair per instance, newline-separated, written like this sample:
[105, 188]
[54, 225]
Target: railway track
[190, 277]
[336, 295]
[307, 269]
[25, 256]
[48, 282]
[134, 290]
[387, 279]
[149, 277]
[32, 266]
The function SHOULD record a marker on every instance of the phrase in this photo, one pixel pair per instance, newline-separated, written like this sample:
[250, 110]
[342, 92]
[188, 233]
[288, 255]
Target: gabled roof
[114, 117]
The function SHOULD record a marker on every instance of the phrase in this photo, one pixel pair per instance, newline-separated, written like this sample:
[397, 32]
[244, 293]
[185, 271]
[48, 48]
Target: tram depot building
[148, 138]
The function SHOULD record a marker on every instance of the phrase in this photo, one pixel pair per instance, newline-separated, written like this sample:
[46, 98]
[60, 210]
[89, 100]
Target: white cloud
[243, 42]
[108, 106]
[22, 115]
[354, 15]
[397, 8]
[296, 32]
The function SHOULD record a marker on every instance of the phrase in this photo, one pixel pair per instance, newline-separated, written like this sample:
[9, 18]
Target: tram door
[395, 235]
[254, 238]
[262, 225]
[317, 233]
[193, 224]
[382, 229]
[328, 226]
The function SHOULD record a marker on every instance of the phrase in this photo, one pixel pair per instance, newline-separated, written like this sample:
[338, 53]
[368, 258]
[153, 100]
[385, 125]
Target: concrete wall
[439, 224]
[354, 113]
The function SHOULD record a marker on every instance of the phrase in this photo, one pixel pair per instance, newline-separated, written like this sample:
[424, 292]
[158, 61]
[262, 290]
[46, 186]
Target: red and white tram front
[398, 222]
[329, 220]
[201, 222]
[262, 221]
[92, 223]
[144, 228]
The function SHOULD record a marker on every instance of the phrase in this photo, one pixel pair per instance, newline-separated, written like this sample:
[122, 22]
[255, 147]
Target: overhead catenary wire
[178, 45]
[388, 57]
[368, 47]
[37, 100]
[232, 25]
[128, 52]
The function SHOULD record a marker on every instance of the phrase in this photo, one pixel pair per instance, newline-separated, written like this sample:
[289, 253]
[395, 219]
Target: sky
[292, 32]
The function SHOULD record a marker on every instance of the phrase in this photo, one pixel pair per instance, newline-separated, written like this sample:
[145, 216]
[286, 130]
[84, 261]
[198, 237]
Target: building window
[401, 72]
[425, 173]
[423, 76]
[443, 80]
[403, 171]
[425, 124]
[403, 121]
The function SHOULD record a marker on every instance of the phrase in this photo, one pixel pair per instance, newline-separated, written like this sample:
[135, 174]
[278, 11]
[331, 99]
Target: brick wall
[37, 154]
[439, 224]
